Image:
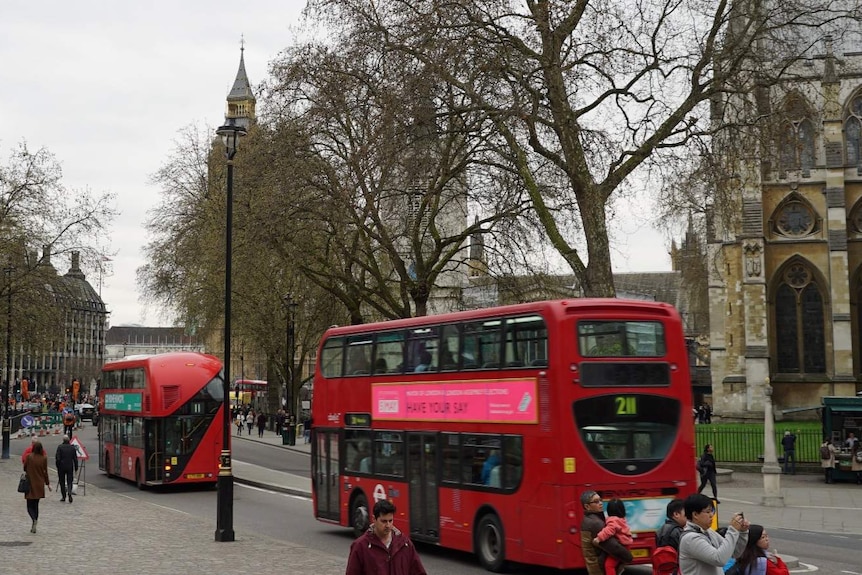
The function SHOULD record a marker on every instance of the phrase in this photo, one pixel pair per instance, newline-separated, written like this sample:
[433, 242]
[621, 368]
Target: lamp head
[230, 134]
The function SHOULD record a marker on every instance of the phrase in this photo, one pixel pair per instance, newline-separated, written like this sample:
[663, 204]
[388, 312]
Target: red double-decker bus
[161, 418]
[484, 427]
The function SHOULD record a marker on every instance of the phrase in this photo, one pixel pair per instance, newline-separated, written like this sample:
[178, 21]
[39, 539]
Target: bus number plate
[639, 553]
[194, 476]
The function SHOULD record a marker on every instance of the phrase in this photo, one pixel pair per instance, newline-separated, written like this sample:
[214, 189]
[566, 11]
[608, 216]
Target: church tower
[240, 99]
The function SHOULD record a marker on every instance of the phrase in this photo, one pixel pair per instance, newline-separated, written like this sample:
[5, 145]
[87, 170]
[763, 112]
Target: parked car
[85, 410]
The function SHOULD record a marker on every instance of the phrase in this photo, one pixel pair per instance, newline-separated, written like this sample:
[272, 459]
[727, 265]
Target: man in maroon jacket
[383, 548]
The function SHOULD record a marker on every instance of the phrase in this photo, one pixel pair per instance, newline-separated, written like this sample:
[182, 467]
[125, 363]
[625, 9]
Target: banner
[76, 388]
[25, 389]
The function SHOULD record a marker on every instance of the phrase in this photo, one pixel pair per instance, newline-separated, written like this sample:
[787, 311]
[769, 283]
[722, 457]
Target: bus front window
[628, 434]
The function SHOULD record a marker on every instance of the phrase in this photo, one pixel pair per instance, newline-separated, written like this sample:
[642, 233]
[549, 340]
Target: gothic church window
[796, 137]
[794, 217]
[800, 346]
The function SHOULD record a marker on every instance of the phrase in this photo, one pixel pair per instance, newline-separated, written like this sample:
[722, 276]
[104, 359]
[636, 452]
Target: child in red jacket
[615, 526]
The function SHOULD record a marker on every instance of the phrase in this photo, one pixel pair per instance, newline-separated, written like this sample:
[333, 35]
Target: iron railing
[746, 445]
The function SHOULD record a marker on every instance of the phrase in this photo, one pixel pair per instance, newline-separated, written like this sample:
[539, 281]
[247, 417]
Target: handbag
[24, 484]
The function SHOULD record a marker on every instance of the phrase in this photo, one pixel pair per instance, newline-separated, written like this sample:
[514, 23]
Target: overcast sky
[106, 87]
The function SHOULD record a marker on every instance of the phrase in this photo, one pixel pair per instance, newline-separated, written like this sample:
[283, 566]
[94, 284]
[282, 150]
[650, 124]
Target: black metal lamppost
[230, 134]
[7, 423]
[290, 352]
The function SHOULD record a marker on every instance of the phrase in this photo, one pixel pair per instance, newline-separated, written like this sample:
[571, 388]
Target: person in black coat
[66, 460]
[707, 471]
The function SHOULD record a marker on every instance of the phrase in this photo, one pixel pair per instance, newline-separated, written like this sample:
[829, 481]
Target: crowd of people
[741, 548]
[247, 418]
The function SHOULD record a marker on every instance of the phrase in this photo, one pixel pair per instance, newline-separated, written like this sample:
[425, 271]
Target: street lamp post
[230, 134]
[290, 352]
[7, 423]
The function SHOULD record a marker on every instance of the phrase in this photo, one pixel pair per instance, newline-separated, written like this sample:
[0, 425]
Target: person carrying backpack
[665, 557]
[827, 458]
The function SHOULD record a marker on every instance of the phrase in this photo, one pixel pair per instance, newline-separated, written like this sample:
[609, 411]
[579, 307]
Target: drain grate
[15, 543]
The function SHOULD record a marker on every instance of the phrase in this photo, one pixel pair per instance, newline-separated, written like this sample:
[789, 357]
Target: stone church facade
[785, 276]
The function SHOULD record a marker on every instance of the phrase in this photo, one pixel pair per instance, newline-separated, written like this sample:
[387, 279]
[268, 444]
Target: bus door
[154, 431]
[422, 476]
[115, 463]
[326, 471]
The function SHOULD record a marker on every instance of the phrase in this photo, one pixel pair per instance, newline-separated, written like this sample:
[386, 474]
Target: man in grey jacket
[702, 551]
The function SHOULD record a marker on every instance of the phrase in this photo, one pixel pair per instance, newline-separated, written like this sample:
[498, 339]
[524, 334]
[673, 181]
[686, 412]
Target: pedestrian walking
[383, 548]
[66, 461]
[788, 442]
[249, 421]
[36, 468]
[240, 421]
[708, 471]
[261, 424]
[68, 423]
[856, 463]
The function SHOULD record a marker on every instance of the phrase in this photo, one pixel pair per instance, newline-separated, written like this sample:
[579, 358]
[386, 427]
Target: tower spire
[240, 100]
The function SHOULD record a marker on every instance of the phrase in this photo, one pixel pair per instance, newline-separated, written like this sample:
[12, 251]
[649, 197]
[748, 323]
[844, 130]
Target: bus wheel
[108, 465]
[490, 543]
[139, 478]
[359, 515]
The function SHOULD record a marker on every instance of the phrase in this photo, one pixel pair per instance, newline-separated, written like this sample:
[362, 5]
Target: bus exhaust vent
[170, 395]
[544, 403]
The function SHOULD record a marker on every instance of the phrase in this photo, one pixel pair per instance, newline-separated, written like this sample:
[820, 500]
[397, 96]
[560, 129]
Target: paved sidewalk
[110, 534]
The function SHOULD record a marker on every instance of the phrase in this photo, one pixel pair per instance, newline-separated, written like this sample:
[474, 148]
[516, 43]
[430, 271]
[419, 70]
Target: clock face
[795, 219]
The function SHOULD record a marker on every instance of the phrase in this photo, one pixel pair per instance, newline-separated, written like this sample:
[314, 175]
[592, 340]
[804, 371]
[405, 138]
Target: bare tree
[593, 94]
[36, 212]
[396, 162]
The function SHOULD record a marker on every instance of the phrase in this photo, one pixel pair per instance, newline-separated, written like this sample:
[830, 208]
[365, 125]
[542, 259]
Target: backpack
[698, 464]
[825, 452]
[665, 560]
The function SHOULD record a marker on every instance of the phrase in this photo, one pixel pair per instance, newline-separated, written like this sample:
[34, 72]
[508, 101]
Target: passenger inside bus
[424, 361]
[380, 365]
[492, 462]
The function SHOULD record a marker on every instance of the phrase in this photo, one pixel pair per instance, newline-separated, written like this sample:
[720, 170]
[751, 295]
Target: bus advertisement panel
[484, 427]
[161, 418]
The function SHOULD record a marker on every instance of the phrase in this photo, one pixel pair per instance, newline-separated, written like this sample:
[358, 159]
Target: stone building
[78, 348]
[785, 275]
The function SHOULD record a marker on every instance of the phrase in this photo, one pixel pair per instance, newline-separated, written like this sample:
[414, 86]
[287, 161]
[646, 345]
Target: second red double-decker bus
[161, 418]
[485, 427]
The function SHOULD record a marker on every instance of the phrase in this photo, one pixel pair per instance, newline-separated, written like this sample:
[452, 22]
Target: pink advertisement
[507, 401]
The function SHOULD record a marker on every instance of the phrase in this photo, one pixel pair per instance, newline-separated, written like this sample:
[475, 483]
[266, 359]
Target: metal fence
[746, 445]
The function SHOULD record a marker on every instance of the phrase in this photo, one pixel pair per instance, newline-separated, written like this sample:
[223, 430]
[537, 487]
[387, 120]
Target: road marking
[851, 572]
[262, 490]
[153, 504]
[808, 568]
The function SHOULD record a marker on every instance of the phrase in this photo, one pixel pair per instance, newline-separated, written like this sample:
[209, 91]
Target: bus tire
[490, 543]
[139, 478]
[108, 465]
[359, 514]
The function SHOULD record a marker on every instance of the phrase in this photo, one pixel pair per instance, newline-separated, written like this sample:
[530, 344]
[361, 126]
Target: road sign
[28, 421]
[82, 453]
